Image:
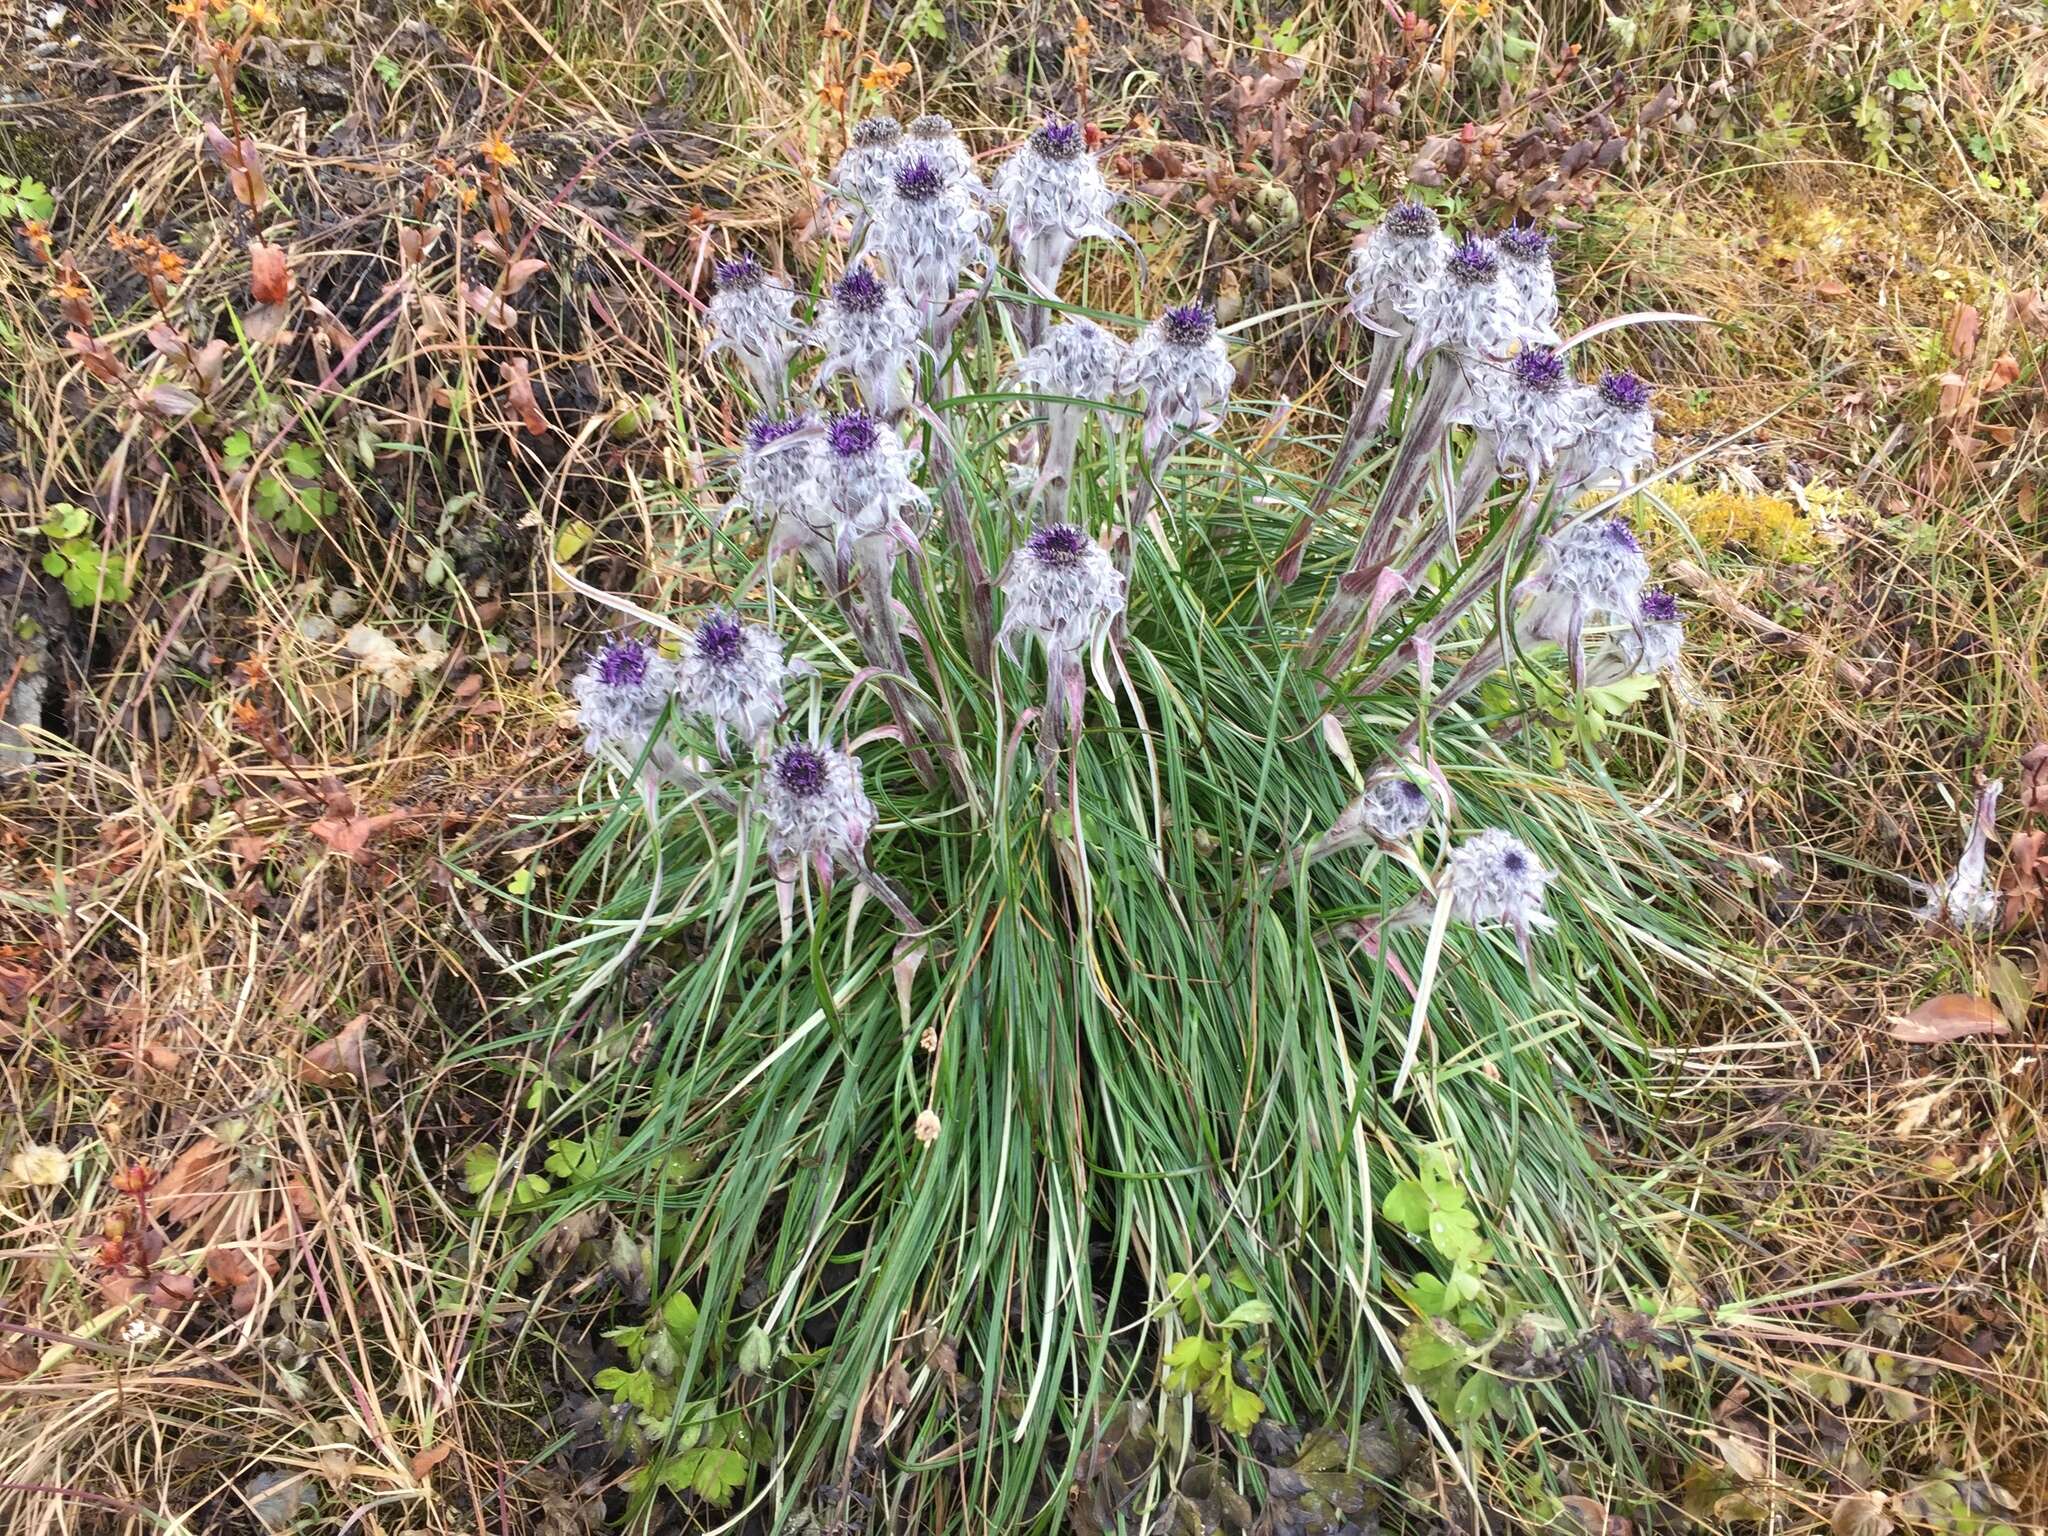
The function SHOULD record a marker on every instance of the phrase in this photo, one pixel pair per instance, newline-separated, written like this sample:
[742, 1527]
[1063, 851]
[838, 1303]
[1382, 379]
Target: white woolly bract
[928, 244]
[946, 151]
[872, 495]
[1587, 572]
[1391, 275]
[1183, 385]
[871, 346]
[1493, 877]
[1394, 808]
[1078, 359]
[1534, 285]
[1475, 319]
[1533, 429]
[1066, 604]
[1617, 443]
[742, 695]
[866, 174]
[1050, 205]
[621, 715]
[827, 826]
[780, 479]
[757, 324]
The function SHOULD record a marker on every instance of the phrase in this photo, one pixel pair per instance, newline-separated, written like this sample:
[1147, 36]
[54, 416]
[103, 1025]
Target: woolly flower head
[753, 317]
[1062, 587]
[1621, 432]
[932, 230]
[1599, 561]
[1183, 368]
[1653, 643]
[776, 472]
[1590, 571]
[731, 674]
[868, 488]
[934, 139]
[1470, 308]
[1493, 877]
[1525, 259]
[1394, 807]
[869, 331]
[620, 694]
[810, 795]
[1531, 407]
[1054, 195]
[866, 171]
[1078, 359]
[1393, 267]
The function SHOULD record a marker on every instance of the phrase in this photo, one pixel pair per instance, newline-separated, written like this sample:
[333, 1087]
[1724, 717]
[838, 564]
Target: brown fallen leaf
[350, 836]
[269, 278]
[432, 1457]
[347, 1057]
[1952, 1016]
[518, 377]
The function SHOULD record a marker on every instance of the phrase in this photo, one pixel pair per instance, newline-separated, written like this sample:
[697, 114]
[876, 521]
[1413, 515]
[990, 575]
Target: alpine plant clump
[1065, 753]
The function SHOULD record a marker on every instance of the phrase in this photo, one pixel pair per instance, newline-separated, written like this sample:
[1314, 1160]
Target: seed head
[622, 664]
[877, 132]
[1624, 391]
[1057, 140]
[800, 769]
[931, 126]
[919, 181]
[740, 273]
[1058, 544]
[764, 430]
[1472, 261]
[1188, 325]
[1540, 368]
[860, 292]
[1411, 220]
[851, 435]
[1525, 242]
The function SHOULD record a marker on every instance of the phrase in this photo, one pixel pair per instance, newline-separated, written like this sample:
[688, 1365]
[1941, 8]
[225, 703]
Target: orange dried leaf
[518, 377]
[1951, 1016]
[269, 278]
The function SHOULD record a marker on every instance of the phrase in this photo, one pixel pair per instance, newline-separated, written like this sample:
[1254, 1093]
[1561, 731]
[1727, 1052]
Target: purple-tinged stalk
[753, 317]
[819, 819]
[1392, 271]
[869, 332]
[1061, 589]
[1078, 361]
[1054, 197]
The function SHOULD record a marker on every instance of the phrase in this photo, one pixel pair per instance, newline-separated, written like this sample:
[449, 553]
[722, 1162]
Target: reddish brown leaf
[350, 835]
[518, 377]
[1952, 1016]
[269, 278]
[98, 358]
[348, 1057]
[432, 1457]
[522, 271]
[194, 1182]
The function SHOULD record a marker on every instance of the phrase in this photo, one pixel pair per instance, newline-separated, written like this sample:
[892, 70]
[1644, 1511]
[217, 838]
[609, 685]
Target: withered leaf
[344, 1058]
[269, 278]
[518, 377]
[98, 358]
[522, 271]
[1951, 1016]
